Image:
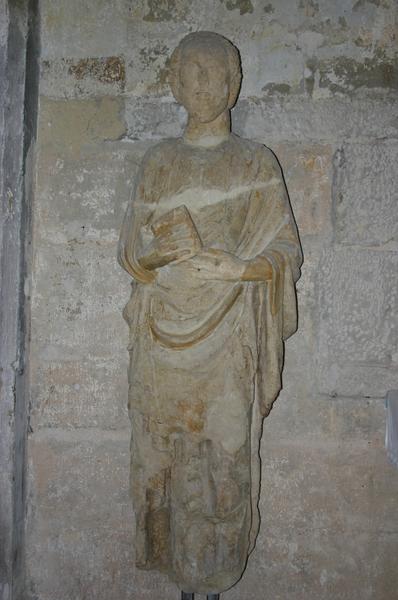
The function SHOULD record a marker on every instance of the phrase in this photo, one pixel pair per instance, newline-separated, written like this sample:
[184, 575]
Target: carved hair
[207, 39]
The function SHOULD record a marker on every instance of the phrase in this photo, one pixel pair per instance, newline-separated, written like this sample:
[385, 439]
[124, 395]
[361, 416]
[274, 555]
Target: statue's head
[205, 75]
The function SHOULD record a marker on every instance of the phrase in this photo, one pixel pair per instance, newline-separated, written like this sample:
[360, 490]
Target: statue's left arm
[270, 244]
[268, 249]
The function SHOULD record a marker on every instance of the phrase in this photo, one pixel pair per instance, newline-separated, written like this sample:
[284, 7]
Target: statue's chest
[218, 205]
[220, 224]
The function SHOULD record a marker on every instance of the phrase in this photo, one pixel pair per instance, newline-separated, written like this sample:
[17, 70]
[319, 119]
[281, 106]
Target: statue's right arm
[128, 252]
[130, 241]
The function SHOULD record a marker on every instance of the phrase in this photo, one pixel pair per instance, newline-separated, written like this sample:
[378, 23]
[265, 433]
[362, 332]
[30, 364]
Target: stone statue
[210, 241]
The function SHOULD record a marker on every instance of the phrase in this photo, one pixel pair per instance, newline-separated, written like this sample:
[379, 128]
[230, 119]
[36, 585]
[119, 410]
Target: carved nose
[203, 77]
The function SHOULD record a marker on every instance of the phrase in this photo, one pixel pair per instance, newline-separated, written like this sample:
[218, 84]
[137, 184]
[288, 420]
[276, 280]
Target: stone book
[177, 223]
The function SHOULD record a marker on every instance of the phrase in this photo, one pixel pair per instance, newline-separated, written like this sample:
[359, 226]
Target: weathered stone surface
[68, 127]
[365, 193]
[358, 307]
[308, 173]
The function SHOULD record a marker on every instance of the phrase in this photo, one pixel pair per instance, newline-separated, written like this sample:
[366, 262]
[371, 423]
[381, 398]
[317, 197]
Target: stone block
[324, 530]
[308, 174]
[80, 524]
[357, 311]
[153, 118]
[79, 339]
[365, 194]
[78, 294]
[85, 199]
[328, 526]
[147, 69]
[307, 285]
[67, 127]
[83, 29]
[300, 414]
[332, 119]
[300, 359]
[83, 393]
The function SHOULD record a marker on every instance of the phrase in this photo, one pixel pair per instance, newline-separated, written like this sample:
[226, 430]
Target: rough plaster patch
[268, 8]
[359, 4]
[272, 89]
[164, 10]
[106, 70]
[344, 74]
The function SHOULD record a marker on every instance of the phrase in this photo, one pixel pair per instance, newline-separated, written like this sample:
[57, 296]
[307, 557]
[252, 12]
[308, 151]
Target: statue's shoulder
[257, 151]
[161, 151]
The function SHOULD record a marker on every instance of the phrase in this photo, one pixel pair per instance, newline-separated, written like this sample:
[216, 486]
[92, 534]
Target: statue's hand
[164, 249]
[217, 265]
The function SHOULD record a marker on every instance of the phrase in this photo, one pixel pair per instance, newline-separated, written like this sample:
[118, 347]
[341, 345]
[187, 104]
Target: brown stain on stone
[158, 529]
[163, 74]
[364, 39]
[310, 7]
[109, 69]
[343, 22]
[192, 414]
[269, 8]
[244, 6]
[379, 3]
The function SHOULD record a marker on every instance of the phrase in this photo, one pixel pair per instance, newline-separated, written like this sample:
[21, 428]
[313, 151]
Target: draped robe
[205, 357]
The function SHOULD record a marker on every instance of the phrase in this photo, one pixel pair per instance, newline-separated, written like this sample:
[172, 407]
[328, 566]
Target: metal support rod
[185, 596]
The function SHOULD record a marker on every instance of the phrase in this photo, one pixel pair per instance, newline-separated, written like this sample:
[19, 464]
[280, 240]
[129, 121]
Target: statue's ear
[174, 74]
[234, 88]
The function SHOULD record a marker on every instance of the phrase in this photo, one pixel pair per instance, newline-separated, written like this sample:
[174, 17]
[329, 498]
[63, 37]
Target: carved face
[204, 88]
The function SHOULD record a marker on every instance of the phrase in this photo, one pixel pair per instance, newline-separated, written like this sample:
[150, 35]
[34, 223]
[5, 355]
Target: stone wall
[319, 88]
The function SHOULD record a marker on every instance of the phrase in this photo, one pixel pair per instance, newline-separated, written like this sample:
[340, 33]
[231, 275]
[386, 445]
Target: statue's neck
[208, 134]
